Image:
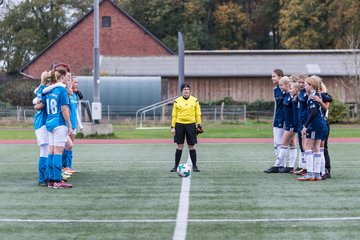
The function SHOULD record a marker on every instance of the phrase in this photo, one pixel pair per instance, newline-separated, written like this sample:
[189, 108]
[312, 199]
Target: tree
[232, 26]
[165, 18]
[343, 21]
[303, 24]
[352, 68]
[265, 32]
[27, 28]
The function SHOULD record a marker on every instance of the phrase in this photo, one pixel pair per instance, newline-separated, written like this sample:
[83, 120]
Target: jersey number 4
[51, 106]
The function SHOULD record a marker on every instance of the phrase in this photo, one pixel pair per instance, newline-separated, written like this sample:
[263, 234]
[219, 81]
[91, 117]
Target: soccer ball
[183, 170]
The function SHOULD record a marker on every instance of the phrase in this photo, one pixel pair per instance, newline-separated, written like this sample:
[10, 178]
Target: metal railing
[140, 115]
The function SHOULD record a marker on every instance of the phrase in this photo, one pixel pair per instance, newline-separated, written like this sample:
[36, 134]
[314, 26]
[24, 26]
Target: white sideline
[256, 220]
[183, 210]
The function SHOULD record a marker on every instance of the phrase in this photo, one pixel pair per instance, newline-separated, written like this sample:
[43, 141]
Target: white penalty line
[183, 210]
[338, 219]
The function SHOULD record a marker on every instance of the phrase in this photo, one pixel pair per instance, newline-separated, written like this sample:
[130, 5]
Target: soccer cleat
[327, 173]
[295, 170]
[50, 184]
[75, 170]
[285, 169]
[62, 185]
[317, 177]
[272, 170]
[307, 177]
[173, 169]
[65, 176]
[302, 172]
[196, 169]
[42, 184]
[68, 170]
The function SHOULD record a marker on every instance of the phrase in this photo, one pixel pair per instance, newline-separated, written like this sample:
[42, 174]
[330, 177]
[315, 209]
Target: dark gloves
[199, 129]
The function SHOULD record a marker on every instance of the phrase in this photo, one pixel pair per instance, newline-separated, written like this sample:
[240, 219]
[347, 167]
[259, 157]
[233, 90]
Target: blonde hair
[314, 81]
[294, 78]
[45, 78]
[323, 87]
[295, 85]
[284, 80]
[302, 76]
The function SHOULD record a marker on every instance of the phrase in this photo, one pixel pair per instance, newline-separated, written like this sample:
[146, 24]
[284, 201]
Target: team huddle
[301, 108]
[55, 124]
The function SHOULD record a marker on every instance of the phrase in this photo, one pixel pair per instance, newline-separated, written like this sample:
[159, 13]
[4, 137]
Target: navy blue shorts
[316, 134]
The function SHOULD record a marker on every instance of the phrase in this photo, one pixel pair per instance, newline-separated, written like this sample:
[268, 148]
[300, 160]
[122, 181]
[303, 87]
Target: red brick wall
[123, 38]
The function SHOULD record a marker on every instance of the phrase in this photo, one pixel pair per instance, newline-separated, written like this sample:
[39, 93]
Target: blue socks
[42, 167]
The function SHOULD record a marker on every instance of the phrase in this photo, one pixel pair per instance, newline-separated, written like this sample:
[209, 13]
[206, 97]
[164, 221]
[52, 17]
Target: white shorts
[58, 136]
[278, 135]
[42, 136]
[74, 131]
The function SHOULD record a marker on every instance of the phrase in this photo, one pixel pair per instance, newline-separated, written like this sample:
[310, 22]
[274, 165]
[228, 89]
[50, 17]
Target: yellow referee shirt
[186, 111]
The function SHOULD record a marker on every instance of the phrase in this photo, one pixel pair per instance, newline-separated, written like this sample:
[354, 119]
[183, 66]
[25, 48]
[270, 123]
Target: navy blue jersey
[295, 101]
[317, 122]
[279, 117]
[302, 108]
[288, 111]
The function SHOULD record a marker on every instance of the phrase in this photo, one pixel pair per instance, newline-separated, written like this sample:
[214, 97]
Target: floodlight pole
[181, 60]
[96, 104]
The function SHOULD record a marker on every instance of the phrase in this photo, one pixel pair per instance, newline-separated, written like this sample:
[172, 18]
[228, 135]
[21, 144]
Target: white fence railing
[154, 116]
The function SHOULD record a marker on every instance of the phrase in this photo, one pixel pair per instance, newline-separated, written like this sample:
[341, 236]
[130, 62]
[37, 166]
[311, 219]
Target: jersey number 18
[51, 106]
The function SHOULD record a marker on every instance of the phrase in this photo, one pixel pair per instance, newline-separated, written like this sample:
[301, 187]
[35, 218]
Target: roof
[80, 20]
[245, 63]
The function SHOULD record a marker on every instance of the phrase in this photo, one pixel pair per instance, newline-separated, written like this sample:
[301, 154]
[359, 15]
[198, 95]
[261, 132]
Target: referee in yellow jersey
[186, 123]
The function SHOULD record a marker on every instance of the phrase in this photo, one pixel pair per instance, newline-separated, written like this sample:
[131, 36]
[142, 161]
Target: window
[106, 21]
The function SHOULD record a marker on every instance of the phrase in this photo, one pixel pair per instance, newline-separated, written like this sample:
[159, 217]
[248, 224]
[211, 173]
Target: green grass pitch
[127, 192]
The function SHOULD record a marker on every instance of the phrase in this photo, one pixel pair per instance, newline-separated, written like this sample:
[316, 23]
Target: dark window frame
[106, 21]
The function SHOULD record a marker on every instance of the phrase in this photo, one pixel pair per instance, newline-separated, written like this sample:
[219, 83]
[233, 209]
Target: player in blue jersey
[313, 130]
[41, 132]
[74, 118]
[302, 118]
[324, 100]
[295, 89]
[288, 139]
[55, 98]
[279, 119]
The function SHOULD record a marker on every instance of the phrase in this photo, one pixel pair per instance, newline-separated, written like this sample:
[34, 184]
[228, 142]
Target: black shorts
[185, 130]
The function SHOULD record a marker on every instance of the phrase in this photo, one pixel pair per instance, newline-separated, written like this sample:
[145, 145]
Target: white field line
[256, 220]
[183, 210]
[157, 161]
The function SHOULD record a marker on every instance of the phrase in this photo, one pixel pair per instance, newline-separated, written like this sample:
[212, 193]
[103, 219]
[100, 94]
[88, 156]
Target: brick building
[120, 35]
[129, 50]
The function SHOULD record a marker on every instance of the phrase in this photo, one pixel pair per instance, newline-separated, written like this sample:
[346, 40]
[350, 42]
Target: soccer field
[127, 192]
